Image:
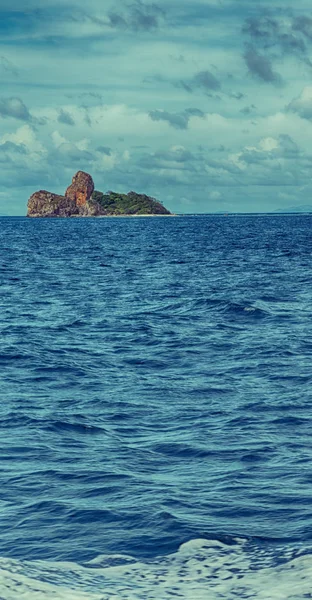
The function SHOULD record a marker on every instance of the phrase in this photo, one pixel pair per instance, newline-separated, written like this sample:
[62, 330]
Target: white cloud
[83, 144]
[268, 144]
[58, 139]
[236, 159]
[27, 137]
[215, 195]
[302, 105]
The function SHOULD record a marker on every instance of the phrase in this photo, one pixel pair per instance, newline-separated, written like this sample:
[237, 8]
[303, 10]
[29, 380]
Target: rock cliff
[80, 199]
[74, 203]
[81, 188]
[46, 204]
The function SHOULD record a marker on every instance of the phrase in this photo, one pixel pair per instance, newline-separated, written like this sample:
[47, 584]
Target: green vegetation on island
[114, 203]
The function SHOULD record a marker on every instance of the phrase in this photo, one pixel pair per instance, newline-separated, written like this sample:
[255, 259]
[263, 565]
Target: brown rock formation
[75, 202]
[46, 204]
[81, 188]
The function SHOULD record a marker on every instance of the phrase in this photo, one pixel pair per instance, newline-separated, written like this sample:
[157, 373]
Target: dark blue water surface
[155, 386]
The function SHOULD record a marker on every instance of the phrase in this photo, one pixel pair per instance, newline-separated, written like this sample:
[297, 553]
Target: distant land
[303, 208]
[293, 210]
[81, 200]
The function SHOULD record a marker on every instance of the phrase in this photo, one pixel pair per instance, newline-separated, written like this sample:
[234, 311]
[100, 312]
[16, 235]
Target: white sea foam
[200, 570]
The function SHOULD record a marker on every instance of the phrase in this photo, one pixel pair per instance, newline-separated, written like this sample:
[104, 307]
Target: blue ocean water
[156, 408]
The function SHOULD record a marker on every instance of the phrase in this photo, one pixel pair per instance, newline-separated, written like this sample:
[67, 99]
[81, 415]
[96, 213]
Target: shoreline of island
[123, 216]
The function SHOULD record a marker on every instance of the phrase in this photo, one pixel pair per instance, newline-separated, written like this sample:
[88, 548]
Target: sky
[205, 105]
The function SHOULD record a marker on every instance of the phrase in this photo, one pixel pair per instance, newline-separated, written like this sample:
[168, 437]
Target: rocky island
[81, 200]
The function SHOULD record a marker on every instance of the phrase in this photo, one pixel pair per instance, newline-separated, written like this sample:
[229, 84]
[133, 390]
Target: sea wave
[200, 569]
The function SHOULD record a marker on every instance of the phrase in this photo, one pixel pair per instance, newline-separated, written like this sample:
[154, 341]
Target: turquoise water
[155, 413]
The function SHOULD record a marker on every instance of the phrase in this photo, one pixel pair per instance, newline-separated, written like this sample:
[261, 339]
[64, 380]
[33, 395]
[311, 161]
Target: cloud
[237, 95]
[156, 170]
[247, 110]
[87, 118]
[285, 33]
[26, 136]
[176, 120]
[215, 195]
[11, 147]
[263, 29]
[65, 117]
[104, 150]
[203, 80]
[14, 107]
[303, 24]
[268, 153]
[8, 66]
[287, 145]
[175, 160]
[137, 17]
[302, 105]
[260, 66]
[178, 154]
[23, 156]
[58, 139]
[194, 112]
[291, 43]
[73, 153]
[206, 80]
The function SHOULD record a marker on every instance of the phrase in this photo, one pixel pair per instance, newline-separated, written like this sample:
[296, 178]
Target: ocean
[155, 381]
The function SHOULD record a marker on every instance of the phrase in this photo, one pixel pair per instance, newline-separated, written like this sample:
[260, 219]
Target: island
[81, 200]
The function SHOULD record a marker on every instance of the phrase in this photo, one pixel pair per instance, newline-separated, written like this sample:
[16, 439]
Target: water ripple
[155, 384]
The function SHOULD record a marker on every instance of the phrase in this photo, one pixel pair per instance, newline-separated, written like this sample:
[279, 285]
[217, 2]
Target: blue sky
[204, 104]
